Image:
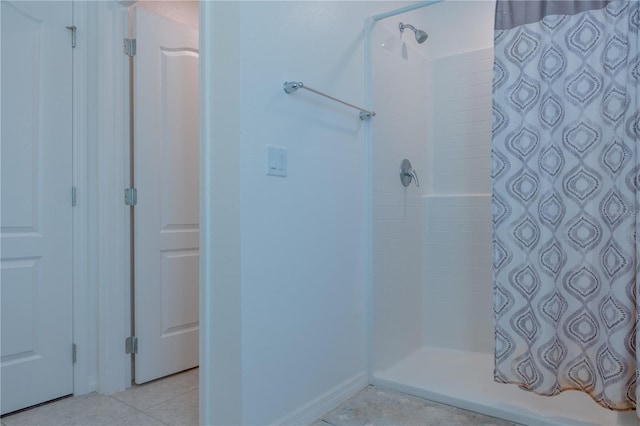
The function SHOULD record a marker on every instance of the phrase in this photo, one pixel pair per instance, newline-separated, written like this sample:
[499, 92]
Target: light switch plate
[276, 161]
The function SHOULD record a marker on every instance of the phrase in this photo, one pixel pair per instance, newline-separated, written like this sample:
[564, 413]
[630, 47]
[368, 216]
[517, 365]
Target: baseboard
[93, 383]
[326, 402]
[83, 387]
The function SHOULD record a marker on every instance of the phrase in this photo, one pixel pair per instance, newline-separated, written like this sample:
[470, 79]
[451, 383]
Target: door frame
[111, 19]
[112, 270]
[103, 255]
[83, 381]
[220, 390]
[114, 301]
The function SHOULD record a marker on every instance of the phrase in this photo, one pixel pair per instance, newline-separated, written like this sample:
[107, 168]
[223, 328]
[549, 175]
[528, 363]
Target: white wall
[220, 266]
[298, 295]
[401, 86]
[183, 11]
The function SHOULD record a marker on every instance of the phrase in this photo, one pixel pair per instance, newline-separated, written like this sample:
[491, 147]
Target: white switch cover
[276, 161]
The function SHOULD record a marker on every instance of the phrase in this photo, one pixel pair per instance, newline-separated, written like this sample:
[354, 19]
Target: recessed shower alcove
[431, 318]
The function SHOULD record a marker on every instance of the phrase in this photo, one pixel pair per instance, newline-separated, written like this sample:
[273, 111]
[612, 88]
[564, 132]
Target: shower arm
[411, 27]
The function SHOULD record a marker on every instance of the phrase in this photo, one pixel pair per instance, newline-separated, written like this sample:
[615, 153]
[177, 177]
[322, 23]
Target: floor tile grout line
[172, 398]
[140, 411]
[155, 418]
[133, 406]
[161, 402]
[136, 409]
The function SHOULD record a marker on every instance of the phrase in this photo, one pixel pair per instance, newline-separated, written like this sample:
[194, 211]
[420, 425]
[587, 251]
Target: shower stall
[431, 315]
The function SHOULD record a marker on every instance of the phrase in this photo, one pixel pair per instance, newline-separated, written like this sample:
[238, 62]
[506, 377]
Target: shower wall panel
[458, 283]
[401, 95]
[462, 131]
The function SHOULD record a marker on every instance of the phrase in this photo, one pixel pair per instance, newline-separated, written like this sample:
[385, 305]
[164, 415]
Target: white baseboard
[93, 383]
[83, 387]
[326, 402]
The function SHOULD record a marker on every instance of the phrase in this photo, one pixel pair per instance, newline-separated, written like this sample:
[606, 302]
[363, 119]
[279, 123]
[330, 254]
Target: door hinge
[73, 353]
[73, 29]
[130, 196]
[74, 196]
[130, 46]
[131, 345]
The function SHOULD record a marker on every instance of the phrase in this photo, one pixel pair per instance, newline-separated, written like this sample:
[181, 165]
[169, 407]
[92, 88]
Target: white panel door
[166, 157]
[35, 220]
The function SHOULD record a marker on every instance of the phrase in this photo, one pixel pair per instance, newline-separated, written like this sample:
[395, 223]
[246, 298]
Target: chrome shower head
[421, 36]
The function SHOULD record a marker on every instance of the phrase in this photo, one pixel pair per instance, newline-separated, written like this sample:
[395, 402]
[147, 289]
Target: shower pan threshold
[465, 379]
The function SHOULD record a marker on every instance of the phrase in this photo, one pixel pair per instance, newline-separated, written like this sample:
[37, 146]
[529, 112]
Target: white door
[166, 218]
[35, 219]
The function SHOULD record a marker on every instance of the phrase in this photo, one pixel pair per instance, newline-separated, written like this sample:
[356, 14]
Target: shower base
[465, 380]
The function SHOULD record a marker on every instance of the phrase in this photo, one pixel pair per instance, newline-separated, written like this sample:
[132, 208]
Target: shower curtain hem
[524, 386]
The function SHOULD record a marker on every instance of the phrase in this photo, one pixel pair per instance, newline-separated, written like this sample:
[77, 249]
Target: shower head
[421, 36]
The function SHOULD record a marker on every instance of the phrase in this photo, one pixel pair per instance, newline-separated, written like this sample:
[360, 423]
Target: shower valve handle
[414, 175]
[407, 173]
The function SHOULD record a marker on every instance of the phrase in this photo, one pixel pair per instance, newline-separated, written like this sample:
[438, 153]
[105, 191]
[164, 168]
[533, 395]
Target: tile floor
[174, 401]
[169, 401]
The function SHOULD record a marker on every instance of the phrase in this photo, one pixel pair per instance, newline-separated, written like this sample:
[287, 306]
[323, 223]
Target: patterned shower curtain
[566, 184]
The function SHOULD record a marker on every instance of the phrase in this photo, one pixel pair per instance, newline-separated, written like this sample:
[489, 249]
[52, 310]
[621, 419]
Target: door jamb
[100, 266]
[83, 380]
[112, 139]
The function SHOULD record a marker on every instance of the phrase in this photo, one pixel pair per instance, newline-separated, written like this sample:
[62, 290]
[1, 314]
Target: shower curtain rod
[405, 9]
[292, 86]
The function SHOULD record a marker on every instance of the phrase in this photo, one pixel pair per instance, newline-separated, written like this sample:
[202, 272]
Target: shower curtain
[565, 188]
